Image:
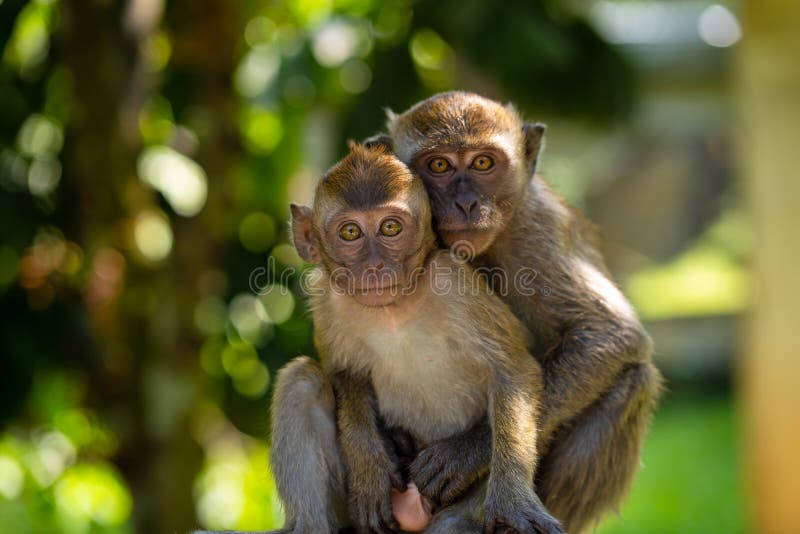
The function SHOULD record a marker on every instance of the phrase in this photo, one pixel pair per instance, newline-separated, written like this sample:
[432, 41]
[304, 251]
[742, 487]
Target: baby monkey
[410, 338]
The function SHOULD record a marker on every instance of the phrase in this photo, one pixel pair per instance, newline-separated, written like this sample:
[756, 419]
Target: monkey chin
[468, 243]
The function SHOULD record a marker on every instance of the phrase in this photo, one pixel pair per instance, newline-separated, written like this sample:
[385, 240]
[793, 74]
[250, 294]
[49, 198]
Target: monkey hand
[519, 514]
[444, 470]
[370, 495]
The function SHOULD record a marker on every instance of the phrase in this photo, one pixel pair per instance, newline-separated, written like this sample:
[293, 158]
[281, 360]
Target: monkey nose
[466, 206]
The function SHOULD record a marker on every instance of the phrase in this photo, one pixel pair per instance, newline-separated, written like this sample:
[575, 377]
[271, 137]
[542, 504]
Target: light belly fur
[426, 383]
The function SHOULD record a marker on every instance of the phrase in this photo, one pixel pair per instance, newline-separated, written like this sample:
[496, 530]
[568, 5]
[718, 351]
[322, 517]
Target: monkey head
[369, 228]
[475, 157]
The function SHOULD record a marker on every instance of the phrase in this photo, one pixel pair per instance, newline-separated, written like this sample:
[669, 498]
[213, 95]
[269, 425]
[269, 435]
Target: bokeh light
[92, 493]
[355, 76]
[433, 58]
[257, 232]
[30, 40]
[262, 129]
[718, 27]
[257, 70]
[40, 136]
[234, 489]
[12, 478]
[182, 181]
[248, 315]
[153, 235]
[278, 302]
[335, 43]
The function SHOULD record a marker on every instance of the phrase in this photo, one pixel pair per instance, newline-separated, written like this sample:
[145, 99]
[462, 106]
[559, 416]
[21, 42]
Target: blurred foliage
[710, 277]
[689, 481]
[148, 293]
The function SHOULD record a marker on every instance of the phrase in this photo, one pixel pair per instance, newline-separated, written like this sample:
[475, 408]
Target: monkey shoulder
[563, 226]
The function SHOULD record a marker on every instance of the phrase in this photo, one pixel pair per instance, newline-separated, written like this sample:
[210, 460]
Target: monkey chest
[427, 383]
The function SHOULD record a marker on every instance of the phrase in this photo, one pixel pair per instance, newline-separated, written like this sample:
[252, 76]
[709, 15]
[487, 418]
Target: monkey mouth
[377, 289]
[464, 228]
[377, 296]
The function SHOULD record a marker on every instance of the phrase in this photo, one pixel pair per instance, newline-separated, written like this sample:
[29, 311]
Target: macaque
[415, 351]
[477, 160]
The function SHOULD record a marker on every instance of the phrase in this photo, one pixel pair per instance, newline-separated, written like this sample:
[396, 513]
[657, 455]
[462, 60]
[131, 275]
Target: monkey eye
[439, 165]
[482, 163]
[350, 232]
[391, 227]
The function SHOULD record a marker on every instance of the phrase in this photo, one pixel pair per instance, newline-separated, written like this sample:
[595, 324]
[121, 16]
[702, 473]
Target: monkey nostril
[466, 206]
[380, 265]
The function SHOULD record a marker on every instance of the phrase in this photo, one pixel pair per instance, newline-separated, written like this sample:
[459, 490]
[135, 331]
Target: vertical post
[769, 103]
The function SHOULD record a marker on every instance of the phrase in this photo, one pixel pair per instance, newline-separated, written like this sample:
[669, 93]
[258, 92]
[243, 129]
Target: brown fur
[433, 362]
[600, 385]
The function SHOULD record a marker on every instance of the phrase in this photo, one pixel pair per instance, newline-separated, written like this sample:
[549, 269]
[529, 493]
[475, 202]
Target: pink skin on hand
[411, 510]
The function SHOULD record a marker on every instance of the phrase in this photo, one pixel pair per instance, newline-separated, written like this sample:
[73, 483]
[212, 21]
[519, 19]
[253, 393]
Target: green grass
[690, 477]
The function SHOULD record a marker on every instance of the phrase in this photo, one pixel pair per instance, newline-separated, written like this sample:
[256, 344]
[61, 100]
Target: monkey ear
[380, 140]
[534, 143]
[303, 234]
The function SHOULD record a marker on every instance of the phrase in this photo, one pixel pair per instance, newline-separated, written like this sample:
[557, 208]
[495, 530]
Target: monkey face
[470, 191]
[370, 226]
[372, 253]
[474, 156]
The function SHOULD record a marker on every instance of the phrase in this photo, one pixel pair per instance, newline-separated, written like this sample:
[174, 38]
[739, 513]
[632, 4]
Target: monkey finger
[492, 526]
[425, 467]
[397, 480]
[548, 525]
[453, 489]
[543, 522]
[432, 489]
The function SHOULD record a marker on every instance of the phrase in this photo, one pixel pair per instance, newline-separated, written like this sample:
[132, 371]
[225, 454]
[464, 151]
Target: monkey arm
[600, 336]
[445, 469]
[512, 416]
[510, 498]
[371, 472]
[574, 298]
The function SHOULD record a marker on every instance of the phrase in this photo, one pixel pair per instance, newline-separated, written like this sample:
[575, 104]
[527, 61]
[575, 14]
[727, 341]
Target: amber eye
[391, 227]
[439, 165]
[350, 232]
[482, 163]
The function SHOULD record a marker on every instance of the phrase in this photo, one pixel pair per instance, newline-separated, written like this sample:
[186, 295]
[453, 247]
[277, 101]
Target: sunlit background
[148, 293]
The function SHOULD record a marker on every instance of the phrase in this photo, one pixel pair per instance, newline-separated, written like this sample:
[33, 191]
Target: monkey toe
[521, 521]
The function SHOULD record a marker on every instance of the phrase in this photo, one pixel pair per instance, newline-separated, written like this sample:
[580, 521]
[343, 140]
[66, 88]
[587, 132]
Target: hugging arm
[511, 500]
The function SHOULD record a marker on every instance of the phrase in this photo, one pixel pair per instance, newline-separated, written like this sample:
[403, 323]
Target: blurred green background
[148, 293]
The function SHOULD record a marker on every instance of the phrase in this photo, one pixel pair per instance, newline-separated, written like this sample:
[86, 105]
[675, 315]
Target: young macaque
[413, 345]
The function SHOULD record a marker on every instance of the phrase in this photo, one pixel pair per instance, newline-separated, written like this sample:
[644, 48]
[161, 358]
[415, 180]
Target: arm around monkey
[599, 332]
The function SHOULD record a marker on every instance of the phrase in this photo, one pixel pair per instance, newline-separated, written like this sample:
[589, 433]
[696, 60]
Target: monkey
[478, 162]
[408, 339]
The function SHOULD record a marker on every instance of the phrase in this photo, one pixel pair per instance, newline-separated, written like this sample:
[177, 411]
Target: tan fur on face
[455, 120]
[368, 178]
